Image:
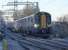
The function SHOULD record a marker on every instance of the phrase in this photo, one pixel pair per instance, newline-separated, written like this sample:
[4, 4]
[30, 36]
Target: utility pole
[16, 3]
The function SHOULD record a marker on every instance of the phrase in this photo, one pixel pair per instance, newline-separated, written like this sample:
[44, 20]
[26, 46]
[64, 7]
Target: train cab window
[37, 19]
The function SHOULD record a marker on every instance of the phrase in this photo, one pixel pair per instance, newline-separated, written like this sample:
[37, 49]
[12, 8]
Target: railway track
[31, 44]
[28, 43]
[50, 44]
[61, 42]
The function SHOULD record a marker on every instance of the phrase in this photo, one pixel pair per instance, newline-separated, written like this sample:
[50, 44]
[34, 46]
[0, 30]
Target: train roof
[41, 13]
[24, 17]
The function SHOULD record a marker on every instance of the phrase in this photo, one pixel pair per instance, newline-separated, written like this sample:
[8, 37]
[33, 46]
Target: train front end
[41, 22]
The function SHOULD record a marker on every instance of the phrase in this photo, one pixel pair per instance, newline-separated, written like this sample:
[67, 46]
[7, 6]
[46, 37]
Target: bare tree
[63, 18]
[28, 10]
[1, 13]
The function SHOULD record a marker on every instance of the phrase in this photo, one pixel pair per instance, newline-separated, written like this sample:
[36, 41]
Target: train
[37, 24]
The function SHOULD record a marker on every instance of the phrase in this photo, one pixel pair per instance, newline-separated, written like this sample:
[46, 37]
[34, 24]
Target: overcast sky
[54, 7]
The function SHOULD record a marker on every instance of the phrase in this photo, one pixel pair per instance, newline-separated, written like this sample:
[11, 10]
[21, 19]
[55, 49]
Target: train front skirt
[40, 32]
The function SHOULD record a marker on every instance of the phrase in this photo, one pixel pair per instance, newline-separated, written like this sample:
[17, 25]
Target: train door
[43, 21]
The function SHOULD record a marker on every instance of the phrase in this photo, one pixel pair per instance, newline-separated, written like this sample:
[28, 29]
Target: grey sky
[54, 7]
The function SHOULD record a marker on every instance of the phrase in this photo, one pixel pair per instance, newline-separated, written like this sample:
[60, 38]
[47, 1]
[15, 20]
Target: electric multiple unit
[34, 24]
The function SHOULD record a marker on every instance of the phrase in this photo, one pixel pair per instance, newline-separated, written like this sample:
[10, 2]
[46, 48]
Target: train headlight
[36, 25]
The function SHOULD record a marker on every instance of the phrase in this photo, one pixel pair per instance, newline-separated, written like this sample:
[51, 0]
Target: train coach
[36, 24]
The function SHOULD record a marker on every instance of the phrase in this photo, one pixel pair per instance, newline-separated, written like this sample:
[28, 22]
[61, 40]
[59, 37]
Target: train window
[25, 20]
[31, 19]
[28, 19]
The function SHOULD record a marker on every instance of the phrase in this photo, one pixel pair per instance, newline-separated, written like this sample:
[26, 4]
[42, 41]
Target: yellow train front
[41, 24]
